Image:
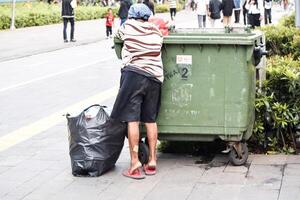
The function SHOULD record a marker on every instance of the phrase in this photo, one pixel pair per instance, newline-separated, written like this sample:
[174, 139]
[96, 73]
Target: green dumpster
[209, 87]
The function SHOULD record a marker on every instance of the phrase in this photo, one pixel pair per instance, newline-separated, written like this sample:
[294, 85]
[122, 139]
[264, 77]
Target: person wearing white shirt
[255, 12]
[202, 10]
[268, 14]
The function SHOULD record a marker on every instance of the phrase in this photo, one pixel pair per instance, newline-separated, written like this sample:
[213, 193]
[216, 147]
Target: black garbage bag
[95, 141]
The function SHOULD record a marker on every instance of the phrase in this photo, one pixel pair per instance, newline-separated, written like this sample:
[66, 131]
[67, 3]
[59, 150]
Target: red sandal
[135, 174]
[149, 170]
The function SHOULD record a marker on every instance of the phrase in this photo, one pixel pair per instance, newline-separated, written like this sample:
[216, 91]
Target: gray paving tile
[269, 160]
[12, 160]
[293, 159]
[203, 191]
[265, 176]
[79, 191]
[236, 169]
[48, 190]
[17, 175]
[7, 186]
[29, 186]
[289, 193]
[257, 193]
[4, 169]
[222, 178]
[170, 191]
[292, 170]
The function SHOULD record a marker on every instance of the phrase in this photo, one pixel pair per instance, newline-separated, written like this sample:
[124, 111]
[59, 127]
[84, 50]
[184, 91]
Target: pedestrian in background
[214, 11]
[227, 8]
[109, 23]
[67, 13]
[123, 10]
[173, 7]
[202, 10]
[245, 12]
[237, 11]
[268, 11]
[255, 12]
[150, 5]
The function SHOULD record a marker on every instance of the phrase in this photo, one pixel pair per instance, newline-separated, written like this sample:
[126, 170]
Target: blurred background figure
[109, 23]
[67, 13]
[245, 12]
[202, 10]
[123, 10]
[150, 5]
[285, 4]
[227, 7]
[172, 6]
[193, 5]
[214, 11]
[255, 12]
[237, 11]
[268, 12]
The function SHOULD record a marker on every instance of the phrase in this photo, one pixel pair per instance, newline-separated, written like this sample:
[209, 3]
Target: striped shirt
[141, 48]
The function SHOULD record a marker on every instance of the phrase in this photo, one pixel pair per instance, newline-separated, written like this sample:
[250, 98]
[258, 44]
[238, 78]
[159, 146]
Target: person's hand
[209, 13]
[260, 18]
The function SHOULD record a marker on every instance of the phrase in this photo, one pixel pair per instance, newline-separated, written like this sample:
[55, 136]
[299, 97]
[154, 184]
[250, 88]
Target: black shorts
[138, 98]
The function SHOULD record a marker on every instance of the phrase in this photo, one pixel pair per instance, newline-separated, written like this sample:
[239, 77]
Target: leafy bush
[161, 8]
[288, 21]
[283, 39]
[278, 106]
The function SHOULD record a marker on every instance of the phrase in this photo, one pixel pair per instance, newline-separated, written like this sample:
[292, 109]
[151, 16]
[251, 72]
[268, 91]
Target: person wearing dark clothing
[245, 13]
[123, 10]
[237, 11]
[268, 13]
[150, 5]
[255, 12]
[227, 7]
[214, 11]
[67, 13]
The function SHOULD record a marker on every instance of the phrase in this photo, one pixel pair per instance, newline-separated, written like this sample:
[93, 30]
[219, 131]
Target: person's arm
[247, 5]
[153, 8]
[261, 8]
[206, 5]
[120, 32]
[209, 8]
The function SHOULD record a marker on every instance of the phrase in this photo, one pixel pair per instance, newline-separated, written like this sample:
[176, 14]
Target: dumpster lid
[237, 36]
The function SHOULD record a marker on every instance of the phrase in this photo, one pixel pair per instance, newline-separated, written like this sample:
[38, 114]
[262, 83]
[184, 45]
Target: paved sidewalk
[40, 169]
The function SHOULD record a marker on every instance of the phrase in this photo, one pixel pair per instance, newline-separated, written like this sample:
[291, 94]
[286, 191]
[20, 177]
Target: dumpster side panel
[198, 99]
[216, 97]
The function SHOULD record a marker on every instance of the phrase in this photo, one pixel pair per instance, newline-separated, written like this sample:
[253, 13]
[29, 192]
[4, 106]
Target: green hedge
[278, 103]
[278, 106]
[37, 14]
[283, 39]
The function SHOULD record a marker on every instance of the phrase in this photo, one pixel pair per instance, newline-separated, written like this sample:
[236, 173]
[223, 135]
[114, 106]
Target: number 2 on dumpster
[184, 64]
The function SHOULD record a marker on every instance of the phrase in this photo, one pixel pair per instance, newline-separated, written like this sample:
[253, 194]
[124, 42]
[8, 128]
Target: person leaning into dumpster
[138, 99]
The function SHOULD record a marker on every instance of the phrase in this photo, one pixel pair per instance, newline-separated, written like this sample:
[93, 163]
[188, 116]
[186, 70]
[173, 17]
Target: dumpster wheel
[239, 153]
[143, 153]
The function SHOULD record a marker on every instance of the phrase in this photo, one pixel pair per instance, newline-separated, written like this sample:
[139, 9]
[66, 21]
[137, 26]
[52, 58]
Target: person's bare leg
[133, 138]
[152, 140]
